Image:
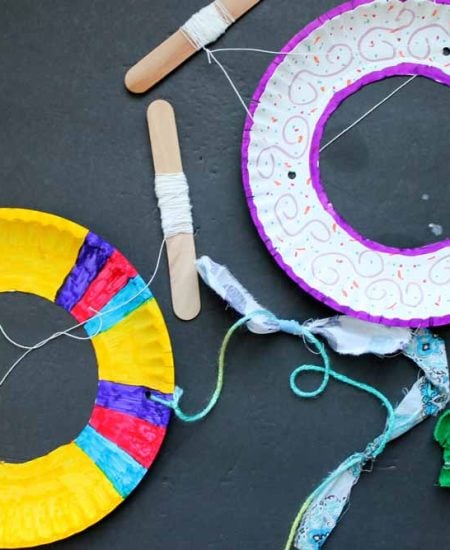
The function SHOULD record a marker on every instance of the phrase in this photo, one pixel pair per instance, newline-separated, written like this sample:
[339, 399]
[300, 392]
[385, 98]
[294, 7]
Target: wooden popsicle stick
[180, 248]
[172, 53]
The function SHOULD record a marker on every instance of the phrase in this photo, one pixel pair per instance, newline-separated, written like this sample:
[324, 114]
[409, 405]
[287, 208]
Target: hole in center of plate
[387, 177]
[48, 398]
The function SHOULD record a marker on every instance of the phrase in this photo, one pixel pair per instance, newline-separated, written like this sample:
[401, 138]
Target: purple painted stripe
[133, 400]
[402, 69]
[92, 257]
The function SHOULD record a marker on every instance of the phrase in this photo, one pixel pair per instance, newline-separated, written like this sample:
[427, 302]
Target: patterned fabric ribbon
[427, 397]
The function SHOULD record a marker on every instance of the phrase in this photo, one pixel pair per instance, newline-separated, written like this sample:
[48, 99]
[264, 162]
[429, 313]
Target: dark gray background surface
[75, 143]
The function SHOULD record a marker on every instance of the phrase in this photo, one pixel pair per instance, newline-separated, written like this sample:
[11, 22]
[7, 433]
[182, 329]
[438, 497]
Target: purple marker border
[401, 69]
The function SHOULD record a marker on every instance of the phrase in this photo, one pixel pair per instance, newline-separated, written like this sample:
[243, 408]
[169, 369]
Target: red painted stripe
[113, 277]
[138, 438]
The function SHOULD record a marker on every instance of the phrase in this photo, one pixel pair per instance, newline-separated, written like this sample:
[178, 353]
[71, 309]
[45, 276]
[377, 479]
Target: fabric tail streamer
[427, 397]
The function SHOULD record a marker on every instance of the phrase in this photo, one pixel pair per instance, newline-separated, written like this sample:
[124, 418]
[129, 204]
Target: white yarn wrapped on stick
[172, 191]
[207, 25]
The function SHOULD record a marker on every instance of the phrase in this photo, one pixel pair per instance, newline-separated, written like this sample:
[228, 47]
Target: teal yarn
[174, 404]
[296, 329]
[293, 328]
[357, 460]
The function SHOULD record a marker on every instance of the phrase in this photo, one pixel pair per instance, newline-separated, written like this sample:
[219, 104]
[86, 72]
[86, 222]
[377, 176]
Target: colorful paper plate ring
[76, 485]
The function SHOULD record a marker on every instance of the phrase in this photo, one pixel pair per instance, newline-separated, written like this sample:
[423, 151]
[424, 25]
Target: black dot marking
[148, 394]
[292, 175]
[446, 51]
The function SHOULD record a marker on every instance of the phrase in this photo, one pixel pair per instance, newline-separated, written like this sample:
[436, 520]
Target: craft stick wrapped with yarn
[176, 219]
[201, 29]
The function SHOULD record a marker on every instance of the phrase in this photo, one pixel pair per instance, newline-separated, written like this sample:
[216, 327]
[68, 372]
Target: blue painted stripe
[121, 305]
[117, 465]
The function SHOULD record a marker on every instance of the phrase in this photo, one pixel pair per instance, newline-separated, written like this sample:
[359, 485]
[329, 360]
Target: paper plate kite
[351, 46]
[78, 484]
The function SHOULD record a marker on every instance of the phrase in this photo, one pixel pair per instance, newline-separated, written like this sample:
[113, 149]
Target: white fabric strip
[344, 334]
[207, 25]
[172, 191]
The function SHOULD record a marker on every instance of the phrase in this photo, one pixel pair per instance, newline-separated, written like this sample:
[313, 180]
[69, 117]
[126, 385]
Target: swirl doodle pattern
[353, 45]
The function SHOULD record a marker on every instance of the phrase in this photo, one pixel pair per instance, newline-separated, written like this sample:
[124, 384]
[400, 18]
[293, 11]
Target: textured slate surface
[74, 142]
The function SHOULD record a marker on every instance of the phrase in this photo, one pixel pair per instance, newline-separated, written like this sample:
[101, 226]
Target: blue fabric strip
[118, 466]
[120, 306]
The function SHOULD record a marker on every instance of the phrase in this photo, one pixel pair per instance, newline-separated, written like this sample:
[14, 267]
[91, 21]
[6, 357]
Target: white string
[172, 191]
[98, 315]
[211, 56]
[260, 50]
[207, 25]
[367, 113]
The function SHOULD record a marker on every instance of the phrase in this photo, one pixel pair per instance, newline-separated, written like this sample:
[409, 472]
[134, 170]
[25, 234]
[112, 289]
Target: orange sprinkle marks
[434, 13]
[274, 119]
[318, 39]
[322, 88]
[345, 293]
[313, 110]
[334, 227]
[298, 251]
[399, 275]
[349, 82]
[308, 181]
[288, 165]
[390, 8]
[300, 139]
[307, 209]
[392, 306]
[278, 182]
[438, 302]
[280, 239]
[317, 59]
[355, 284]
[401, 54]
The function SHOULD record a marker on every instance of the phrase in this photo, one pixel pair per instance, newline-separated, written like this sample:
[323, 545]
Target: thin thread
[367, 113]
[207, 25]
[98, 315]
[172, 191]
[211, 56]
[260, 50]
